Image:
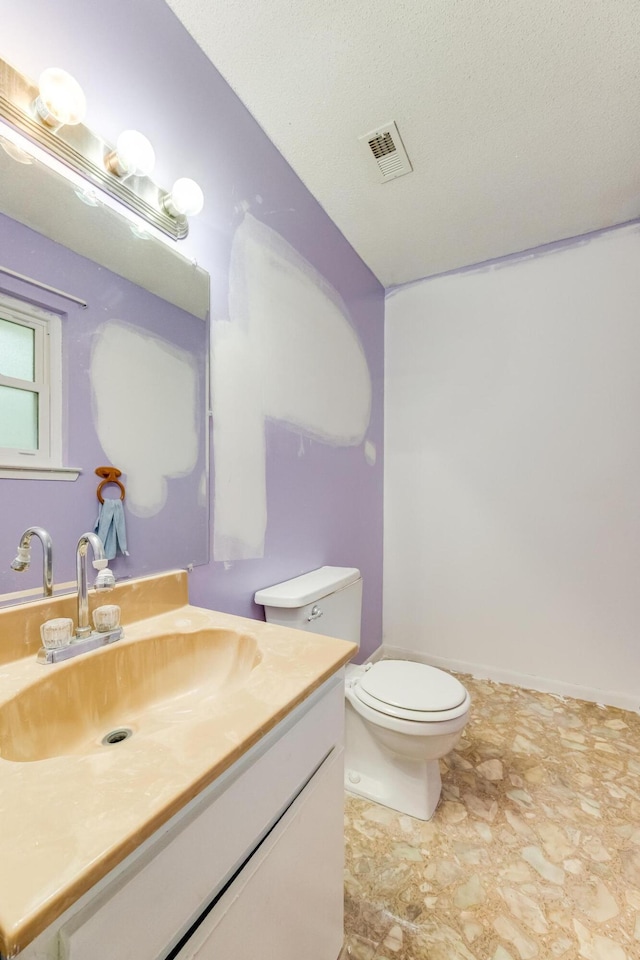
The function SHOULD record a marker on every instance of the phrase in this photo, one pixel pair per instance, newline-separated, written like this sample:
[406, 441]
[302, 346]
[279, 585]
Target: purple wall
[140, 68]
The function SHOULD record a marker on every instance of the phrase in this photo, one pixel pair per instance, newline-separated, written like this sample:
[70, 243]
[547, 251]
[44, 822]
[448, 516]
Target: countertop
[66, 821]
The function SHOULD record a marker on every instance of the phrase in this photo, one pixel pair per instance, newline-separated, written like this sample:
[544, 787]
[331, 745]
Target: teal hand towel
[110, 527]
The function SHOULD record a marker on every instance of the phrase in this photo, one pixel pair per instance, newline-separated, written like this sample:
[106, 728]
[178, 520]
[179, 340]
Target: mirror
[134, 378]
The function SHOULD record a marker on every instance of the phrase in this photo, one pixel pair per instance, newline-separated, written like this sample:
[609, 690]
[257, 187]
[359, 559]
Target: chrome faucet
[104, 581]
[85, 639]
[23, 559]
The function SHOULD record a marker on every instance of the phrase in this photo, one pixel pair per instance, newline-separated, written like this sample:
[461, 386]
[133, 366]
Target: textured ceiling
[521, 117]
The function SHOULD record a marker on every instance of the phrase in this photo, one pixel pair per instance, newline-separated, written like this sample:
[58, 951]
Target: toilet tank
[327, 601]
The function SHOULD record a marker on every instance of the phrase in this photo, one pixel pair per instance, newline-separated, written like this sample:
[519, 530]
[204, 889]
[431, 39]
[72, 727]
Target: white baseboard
[611, 698]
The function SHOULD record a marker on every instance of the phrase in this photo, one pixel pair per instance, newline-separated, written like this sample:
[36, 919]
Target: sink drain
[117, 736]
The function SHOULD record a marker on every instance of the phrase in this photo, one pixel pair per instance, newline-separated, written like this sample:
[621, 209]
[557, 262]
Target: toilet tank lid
[300, 591]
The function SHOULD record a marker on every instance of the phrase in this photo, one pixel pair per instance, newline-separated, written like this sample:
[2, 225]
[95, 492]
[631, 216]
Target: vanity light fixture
[60, 99]
[25, 151]
[133, 156]
[185, 200]
[50, 117]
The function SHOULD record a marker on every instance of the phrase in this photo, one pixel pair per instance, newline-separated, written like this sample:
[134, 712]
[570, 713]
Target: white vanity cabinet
[252, 867]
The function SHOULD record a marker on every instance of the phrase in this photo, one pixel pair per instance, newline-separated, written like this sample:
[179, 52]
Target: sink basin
[137, 687]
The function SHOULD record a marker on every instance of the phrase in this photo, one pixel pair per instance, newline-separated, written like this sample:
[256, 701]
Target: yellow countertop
[66, 821]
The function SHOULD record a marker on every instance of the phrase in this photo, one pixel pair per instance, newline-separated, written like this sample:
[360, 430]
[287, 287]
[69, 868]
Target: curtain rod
[42, 286]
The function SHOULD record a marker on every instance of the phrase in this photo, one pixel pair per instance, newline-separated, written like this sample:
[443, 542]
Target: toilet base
[377, 771]
[411, 787]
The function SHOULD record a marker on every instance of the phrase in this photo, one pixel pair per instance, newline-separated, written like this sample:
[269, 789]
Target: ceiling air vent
[386, 150]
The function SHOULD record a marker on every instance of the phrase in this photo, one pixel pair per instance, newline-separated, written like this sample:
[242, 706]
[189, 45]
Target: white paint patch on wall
[370, 452]
[512, 465]
[240, 496]
[287, 353]
[149, 427]
[203, 490]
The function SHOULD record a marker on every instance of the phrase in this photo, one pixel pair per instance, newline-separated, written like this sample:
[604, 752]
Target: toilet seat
[411, 691]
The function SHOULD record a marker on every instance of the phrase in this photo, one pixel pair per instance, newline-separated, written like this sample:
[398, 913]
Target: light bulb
[88, 195]
[133, 155]
[60, 100]
[15, 152]
[185, 200]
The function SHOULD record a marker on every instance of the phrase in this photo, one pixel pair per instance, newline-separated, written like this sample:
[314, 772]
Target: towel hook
[109, 475]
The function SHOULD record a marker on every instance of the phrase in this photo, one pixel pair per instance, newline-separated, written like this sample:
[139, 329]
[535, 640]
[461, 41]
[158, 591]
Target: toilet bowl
[401, 718]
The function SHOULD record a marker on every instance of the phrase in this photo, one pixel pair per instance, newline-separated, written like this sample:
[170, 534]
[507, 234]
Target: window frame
[47, 458]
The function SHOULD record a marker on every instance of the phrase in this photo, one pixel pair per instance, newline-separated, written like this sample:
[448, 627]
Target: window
[30, 389]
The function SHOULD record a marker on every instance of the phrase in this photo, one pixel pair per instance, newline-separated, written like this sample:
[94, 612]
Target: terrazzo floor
[533, 852]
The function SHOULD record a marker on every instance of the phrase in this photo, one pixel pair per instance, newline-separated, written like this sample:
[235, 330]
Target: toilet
[401, 716]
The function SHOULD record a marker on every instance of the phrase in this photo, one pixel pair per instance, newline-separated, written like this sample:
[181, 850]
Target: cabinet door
[287, 902]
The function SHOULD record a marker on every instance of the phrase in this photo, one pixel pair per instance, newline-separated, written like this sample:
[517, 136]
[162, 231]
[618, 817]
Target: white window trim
[46, 462]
